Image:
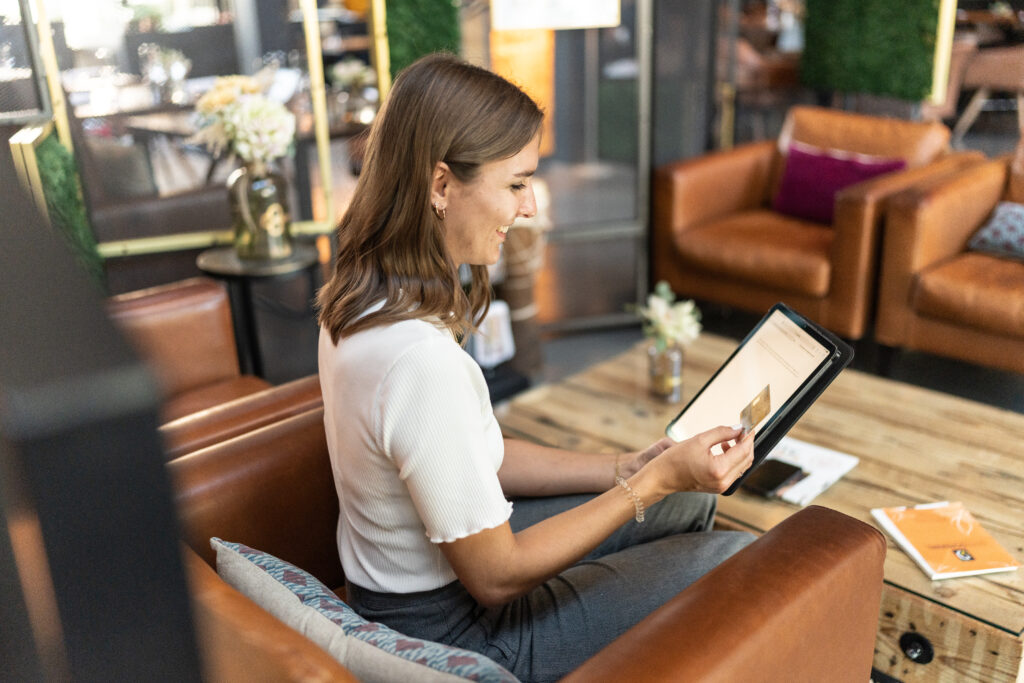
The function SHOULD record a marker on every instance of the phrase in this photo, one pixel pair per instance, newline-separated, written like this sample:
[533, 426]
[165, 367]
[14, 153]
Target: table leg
[304, 211]
[243, 317]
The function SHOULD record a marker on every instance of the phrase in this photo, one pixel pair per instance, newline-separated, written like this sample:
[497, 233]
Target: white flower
[670, 323]
[239, 120]
[261, 129]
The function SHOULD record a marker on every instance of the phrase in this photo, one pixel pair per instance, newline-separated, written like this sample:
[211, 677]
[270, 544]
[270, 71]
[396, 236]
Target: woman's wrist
[626, 465]
[647, 487]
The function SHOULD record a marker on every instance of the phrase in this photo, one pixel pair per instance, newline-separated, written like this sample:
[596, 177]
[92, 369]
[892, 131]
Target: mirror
[132, 72]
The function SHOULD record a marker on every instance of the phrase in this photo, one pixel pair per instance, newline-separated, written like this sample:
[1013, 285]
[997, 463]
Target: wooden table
[914, 445]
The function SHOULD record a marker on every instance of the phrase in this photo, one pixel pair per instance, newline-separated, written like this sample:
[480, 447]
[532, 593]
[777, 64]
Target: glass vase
[259, 214]
[666, 372]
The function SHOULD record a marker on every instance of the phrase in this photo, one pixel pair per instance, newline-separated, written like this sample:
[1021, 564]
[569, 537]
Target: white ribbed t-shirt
[415, 450]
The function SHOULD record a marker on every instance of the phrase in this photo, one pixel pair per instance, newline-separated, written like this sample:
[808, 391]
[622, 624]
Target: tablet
[772, 377]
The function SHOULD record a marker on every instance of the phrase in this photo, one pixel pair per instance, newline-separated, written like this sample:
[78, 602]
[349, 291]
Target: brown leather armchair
[184, 330]
[935, 295]
[716, 238]
[815, 578]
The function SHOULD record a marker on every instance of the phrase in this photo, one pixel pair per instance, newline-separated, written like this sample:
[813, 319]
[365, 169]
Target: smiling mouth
[504, 229]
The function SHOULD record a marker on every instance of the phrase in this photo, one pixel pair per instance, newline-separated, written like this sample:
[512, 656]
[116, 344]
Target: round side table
[239, 274]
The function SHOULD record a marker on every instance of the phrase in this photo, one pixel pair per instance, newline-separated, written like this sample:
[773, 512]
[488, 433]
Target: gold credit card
[756, 410]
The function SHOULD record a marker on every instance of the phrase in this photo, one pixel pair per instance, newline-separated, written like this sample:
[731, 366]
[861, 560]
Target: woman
[429, 542]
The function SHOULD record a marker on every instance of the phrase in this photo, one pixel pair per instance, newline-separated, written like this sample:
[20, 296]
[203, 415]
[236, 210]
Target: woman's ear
[440, 184]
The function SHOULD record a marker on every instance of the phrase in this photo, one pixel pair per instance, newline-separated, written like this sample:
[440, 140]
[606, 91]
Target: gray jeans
[547, 633]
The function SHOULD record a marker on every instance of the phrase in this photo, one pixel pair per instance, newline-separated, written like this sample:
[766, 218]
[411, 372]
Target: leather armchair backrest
[271, 489]
[239, 416]
[183, 329]
[917, 143]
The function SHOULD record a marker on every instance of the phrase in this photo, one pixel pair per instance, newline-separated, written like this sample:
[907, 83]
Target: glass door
[592, 181]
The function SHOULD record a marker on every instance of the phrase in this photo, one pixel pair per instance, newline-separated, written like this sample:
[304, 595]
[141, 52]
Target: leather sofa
[936, 295]
[801, 603]
[715, 236]
[184, 331]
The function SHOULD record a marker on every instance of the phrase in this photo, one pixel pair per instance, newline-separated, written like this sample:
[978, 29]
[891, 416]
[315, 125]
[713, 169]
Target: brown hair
[390, 244]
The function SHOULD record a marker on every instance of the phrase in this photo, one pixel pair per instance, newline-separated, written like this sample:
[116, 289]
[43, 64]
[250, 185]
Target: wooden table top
[915, 446]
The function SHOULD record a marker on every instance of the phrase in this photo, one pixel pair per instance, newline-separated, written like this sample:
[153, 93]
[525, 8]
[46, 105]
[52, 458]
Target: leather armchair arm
[934, 221]
[691, 191]
[928, 224]
[859, 210]
[242, 415]
[801, 604]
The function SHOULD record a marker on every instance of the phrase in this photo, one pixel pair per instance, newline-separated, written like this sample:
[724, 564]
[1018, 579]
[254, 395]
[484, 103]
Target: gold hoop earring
[438, 211]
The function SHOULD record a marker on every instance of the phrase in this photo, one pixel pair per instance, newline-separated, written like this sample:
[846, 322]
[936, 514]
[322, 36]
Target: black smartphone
[771, 476]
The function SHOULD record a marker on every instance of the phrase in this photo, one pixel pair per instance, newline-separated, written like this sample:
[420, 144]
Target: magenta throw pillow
[813, 176]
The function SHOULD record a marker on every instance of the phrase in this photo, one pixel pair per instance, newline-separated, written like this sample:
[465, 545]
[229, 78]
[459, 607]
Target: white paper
[824, 467]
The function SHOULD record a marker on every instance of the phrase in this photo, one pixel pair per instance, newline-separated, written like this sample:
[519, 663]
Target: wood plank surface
[915, 445]
[964, 649]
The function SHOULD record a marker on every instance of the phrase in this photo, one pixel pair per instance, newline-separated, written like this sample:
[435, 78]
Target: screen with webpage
[780, 355]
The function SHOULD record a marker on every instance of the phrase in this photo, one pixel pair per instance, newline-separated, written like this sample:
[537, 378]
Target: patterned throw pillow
[371, 651]
[1003, 233]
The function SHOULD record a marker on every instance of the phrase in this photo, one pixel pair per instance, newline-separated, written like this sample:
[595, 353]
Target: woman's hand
[692, 465]
[631, 463]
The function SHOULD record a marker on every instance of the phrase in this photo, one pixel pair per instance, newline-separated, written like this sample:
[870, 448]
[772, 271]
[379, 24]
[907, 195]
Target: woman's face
[479, 213]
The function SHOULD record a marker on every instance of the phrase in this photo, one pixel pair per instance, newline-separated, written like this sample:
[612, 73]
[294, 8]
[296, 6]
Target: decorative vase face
[259, 214]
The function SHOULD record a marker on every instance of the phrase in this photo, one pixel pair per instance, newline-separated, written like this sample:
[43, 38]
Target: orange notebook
[945, 540]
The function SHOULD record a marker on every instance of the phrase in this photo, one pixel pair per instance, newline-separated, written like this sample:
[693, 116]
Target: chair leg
[970, 115]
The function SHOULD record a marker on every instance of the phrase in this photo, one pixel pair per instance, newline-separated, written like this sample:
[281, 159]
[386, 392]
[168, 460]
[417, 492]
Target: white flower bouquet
[238, 119]
[667, 321]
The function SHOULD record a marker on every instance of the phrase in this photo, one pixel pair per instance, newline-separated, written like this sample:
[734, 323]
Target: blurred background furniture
[715, 235]
[992, 70]
[183, 330]
[815, 577]
[938, 296]
[964, 48]
[123, 202]
[194, 44]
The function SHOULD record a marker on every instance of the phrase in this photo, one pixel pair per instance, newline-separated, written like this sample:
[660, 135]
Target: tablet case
[766, 440]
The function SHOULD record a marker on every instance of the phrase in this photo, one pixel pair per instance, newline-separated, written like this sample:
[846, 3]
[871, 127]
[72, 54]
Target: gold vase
[259, 214]
[666, 372]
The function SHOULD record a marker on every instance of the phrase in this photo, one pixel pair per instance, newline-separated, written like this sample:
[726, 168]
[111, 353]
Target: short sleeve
[441, 435]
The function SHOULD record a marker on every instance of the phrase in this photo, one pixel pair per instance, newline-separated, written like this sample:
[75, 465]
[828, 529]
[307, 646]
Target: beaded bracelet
[637, 503]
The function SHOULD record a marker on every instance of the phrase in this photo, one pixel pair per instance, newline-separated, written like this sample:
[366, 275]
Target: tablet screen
[779, 354]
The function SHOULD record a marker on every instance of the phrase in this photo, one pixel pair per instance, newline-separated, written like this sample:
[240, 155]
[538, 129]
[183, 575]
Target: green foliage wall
[883, 47]
[419, 27]
[64, 203]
